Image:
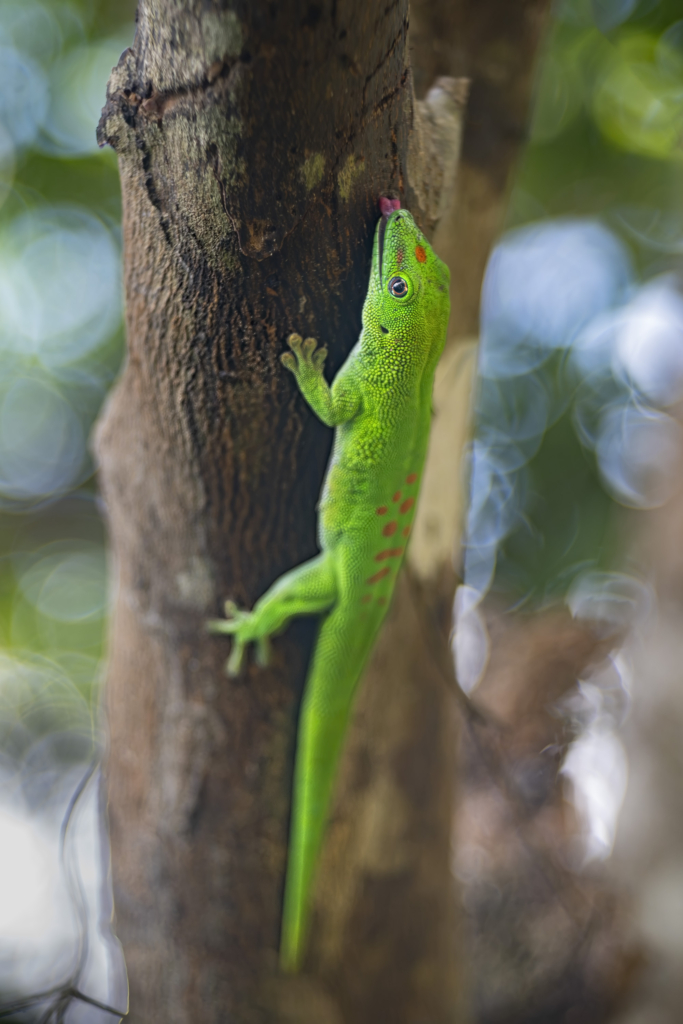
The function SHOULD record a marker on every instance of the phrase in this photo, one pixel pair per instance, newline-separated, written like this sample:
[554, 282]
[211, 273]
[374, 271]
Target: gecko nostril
[384, 330]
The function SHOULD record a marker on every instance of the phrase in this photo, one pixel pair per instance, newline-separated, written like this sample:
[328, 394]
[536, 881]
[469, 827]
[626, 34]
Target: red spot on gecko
[420, 254]
[379, 575]
[382, 510]
[397, 496]
[390, 529]
[407, 505]
[366, 599]
[388, 553]
[399, 256]
[406, 531]
[411, 478]
[381, 600]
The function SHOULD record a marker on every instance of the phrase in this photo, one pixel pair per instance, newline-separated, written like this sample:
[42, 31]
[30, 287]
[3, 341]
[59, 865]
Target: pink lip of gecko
[387, 206]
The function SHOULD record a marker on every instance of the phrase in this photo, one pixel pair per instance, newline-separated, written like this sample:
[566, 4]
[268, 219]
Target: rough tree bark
[253, 144]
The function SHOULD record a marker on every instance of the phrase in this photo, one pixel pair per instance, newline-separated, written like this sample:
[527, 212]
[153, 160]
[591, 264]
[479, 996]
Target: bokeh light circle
[42, 443]
[59, 284]
[543, 284]
[638, 450]
[24, 95]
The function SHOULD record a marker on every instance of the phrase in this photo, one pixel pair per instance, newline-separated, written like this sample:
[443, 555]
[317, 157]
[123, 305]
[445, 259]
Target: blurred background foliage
[582, 319]
[61, 337]
[581, 360]
[61, 344]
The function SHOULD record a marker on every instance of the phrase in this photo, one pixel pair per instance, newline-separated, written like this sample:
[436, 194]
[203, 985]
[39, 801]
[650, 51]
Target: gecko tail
[323, 724]
[318, 749]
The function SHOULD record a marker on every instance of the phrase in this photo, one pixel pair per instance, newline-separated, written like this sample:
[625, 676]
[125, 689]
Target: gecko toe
[319, 358]
[233, 665]
[232, 623]
[263, 652]
[225, 626]
[234, 612]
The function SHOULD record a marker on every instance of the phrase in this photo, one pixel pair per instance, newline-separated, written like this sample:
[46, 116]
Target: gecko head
[408, 302]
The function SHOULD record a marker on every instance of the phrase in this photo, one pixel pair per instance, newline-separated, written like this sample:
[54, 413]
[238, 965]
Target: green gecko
[380, 405]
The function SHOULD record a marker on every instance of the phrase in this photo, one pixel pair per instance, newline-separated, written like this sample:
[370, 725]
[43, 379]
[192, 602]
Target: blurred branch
[553, 941]
[494, 45]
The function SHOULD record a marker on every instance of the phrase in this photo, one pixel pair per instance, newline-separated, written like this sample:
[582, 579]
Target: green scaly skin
[380, 404]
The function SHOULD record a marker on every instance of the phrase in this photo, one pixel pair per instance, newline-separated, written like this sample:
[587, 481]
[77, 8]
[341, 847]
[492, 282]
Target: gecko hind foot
[237, 622]
[235, 662]
[233, 621]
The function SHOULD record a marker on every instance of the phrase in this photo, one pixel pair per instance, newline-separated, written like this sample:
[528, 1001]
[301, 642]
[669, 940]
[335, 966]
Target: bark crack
[401, 34]
[157, 104]
[150, 188]
[134, 99]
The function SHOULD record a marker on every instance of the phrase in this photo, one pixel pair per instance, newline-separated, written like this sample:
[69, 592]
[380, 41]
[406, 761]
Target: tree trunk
[253, 145]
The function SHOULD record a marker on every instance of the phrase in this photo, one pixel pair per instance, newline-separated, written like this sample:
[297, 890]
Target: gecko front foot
[240, 625]
[308, 360]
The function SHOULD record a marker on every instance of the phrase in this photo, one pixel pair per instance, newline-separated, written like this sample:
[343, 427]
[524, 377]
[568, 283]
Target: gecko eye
[398, 287]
